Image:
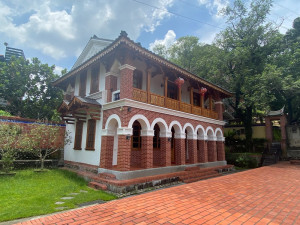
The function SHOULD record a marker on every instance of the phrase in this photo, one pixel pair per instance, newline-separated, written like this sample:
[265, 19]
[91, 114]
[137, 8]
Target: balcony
[153, 99]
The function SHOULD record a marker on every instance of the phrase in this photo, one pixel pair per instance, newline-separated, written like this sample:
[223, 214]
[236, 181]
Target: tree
[43, 140]
[26, 86]
[248, 41]
[10, 137]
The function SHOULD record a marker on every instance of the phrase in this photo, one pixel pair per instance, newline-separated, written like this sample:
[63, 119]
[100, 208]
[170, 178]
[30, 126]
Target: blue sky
[56, 31]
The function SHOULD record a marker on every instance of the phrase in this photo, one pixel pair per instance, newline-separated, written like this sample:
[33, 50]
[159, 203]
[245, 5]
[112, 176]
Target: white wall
[88, 82]
[83, 156]
[102, 78]
[185, 94]
[156, 82]
[76, 92]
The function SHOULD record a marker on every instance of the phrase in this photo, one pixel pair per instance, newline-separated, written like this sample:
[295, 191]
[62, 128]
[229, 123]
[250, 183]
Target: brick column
[202, 151]
[124, 153]
[110, 85]
[147, 152]
[165, 148]
[220, 151]
[126, 82]
[106, 155]
[192, 148]
[179, 151]
[219, 109]
[212, 151]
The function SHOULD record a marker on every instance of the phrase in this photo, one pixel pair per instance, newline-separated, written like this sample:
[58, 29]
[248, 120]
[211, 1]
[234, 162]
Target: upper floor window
[137, 79]
[82, 84]
[94, 80]
[78, 135]
[90, 138]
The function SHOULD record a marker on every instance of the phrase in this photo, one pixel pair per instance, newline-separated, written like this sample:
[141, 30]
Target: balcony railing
[142, 96]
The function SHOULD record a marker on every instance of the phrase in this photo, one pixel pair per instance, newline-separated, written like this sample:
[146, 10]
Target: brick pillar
[165, 148]
[202, 151]
[110, 85]
[147, 152]
[212, 151]
[179, 151]
[219, 109]
[192, 150]
[126, 82]
[124, 153]
[220, 151]
[283, 122]
[106, 155]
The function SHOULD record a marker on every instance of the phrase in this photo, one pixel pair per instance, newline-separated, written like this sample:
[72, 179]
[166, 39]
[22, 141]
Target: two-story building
[129, 110]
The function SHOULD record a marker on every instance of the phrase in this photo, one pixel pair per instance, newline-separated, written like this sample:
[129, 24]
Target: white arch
[113, 117]
[142, 120]
[160, 121]
[218, 130]
[186, 126]
[175, 123]
[201, 128]
[209, 128]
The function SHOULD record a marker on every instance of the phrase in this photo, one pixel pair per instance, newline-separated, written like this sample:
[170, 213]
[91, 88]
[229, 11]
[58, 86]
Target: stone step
[97, 186]
[107, 176]
[192, 168]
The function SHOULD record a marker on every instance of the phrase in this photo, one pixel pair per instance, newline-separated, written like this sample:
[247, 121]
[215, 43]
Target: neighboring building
[10, 52]
[128, 109]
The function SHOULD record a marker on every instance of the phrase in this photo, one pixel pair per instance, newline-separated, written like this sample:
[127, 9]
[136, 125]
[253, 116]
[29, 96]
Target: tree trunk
[42, 163]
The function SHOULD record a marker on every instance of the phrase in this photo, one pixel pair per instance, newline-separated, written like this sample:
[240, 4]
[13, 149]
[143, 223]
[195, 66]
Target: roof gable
[94, 46]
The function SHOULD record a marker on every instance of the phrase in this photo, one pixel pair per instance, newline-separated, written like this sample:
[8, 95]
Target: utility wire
[177, 14]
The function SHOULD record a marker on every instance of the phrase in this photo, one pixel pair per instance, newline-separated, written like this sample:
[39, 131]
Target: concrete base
[126, 175]
[293, 153]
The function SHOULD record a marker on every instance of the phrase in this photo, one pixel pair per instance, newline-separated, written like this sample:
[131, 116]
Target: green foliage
[32, 194]
[10, 138]
[26, 86]
[42, 140]
[4, 113]
[243, 160]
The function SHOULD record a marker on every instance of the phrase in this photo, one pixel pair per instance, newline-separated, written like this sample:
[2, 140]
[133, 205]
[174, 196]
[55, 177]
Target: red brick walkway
[268, 195]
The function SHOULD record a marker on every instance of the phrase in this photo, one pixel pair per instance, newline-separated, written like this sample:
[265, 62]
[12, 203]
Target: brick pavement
[267, 195]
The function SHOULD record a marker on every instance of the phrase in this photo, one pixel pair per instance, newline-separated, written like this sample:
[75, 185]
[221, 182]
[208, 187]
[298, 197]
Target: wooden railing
[154, 99]
[157, 100]
[172, 104]
[139, 95]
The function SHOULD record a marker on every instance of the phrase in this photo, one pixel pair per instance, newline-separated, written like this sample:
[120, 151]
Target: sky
[56, 31]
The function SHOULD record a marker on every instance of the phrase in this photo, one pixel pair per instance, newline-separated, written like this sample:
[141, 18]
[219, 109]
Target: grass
[30, 194]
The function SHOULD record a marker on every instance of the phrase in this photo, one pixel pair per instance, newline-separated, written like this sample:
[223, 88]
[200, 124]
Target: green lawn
[29, 193]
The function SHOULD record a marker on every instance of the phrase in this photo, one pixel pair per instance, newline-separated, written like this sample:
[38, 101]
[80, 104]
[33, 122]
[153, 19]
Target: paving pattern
[267, 195]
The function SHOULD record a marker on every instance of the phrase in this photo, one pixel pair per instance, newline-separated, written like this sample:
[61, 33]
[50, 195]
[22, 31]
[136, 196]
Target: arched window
[136, 139]
[156, 138]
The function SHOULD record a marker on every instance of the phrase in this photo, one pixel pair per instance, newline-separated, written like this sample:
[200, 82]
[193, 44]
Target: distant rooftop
[10, 52]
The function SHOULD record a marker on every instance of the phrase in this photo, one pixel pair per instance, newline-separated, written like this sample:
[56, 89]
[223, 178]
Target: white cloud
[214, 6]
[169, 39]
[58, 70]
[60, 29]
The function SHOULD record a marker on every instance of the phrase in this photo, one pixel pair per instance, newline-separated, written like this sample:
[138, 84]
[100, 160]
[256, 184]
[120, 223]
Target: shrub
[243, 160]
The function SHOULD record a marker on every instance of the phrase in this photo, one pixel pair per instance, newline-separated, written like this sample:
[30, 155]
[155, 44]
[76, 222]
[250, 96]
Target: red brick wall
[179, 151]
[135, 158]
[106, 152]
[126, 88]
[202, 151]
[165, 148]
[192, 150]
[110, 86]
[212, 151]
[147, 152]
[27, 124]
[124, 152]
